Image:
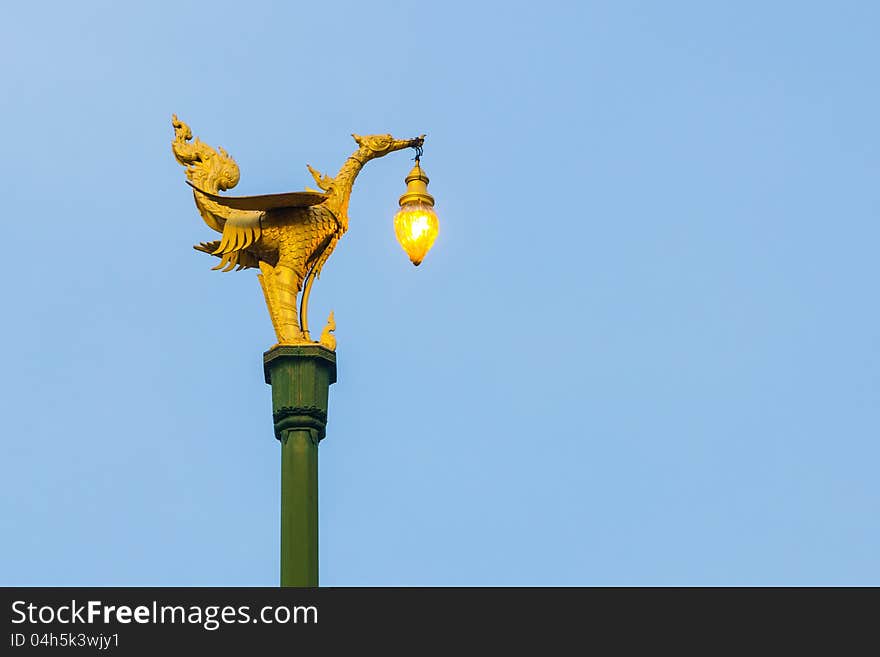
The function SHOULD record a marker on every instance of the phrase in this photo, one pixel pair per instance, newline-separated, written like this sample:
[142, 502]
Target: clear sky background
[644, 350]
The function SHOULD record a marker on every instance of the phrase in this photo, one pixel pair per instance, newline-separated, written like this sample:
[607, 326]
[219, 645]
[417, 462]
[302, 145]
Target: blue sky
[644, 349]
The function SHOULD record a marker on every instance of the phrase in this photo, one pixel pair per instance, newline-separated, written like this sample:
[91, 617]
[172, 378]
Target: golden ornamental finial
[206, 168]
[327, 337]
[288, 237]
[323, 181]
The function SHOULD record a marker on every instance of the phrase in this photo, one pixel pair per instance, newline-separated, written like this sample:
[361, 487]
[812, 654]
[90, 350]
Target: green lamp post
[289, 238]
[300, 377]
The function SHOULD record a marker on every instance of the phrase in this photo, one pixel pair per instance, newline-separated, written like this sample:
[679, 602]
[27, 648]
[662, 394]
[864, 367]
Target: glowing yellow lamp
[416, 224]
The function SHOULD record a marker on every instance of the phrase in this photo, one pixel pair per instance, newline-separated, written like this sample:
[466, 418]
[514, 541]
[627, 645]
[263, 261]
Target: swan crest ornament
[289, 237]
